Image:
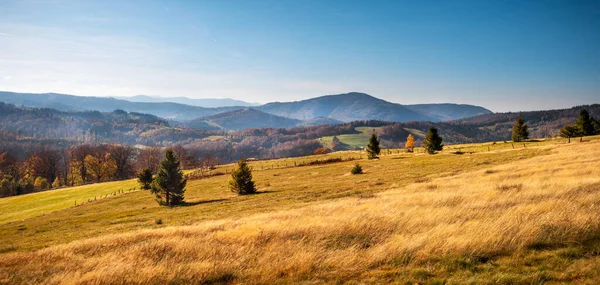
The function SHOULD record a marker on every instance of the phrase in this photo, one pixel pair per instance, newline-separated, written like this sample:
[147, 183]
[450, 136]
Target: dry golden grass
[527, 222]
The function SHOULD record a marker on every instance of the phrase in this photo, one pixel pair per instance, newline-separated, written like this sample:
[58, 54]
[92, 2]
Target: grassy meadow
[528, 215]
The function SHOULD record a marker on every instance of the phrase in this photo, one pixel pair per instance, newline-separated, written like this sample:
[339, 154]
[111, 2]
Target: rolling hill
[345, 107]
[510, 216]
[64, 102]
[248, 118]
[330, 109]
[448, 112]
[203, 102]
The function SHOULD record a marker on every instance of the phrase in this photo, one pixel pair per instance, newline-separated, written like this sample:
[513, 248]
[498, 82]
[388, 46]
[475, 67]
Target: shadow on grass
[188, 204]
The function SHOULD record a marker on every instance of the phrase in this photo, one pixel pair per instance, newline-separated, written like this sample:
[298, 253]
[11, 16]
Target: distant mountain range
[204, 102]
[330, 109]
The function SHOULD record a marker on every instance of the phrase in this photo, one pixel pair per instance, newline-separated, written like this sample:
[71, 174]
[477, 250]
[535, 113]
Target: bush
[357, 169]
[320, 150]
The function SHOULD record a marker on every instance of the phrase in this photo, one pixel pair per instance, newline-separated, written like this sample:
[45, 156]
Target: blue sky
[503, 55]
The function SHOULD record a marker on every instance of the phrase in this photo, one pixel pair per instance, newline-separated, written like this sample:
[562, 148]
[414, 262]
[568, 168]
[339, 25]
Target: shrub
[320, 150]
[357, 169]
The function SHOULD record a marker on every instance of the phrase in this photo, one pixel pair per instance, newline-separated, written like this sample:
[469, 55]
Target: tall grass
[475, 227]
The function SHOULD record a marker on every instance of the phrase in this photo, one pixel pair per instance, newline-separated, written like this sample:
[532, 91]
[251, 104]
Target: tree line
[50, 168]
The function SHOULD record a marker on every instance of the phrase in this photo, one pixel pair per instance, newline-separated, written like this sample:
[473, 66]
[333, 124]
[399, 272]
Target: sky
[503, 55]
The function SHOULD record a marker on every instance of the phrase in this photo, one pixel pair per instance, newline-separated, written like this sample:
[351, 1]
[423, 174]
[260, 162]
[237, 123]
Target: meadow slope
[527, 216]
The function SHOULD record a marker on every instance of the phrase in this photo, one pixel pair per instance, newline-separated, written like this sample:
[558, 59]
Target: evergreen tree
[145, 178]
[432, 141]
[357, 169]
[585, 123]
[410, 143]
[520, 131]
[241, 179]
[169, 184]
[373, 148]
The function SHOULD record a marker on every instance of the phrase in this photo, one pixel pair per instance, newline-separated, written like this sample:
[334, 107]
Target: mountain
[174, 111]
[331, 109]
[204, 102]
[448, 112]
[345, 107]
[243, 119]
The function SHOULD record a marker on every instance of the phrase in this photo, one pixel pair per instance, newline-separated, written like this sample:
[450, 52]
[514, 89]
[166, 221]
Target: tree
[585, 123]
[241, 179]
[570, 131]
[145, 178]
[149, 158]
[103, 168]
[432, 141]
[169, 184]
[520, 131]
[373, 148]
[320, 150]
[40, 183]
[122, 156]
[56, 183]
[410, 143]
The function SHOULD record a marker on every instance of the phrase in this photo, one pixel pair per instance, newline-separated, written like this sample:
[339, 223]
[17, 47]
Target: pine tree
[169, 183]
[357, 169]
[432, 141]
[241, 179]
[520, 131]
[410, 143]
[585, 123]
[373, 148]
[145, 178]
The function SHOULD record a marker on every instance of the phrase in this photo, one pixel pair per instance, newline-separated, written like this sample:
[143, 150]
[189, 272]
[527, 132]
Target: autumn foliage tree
[320, 150]
[410, 143]
[103, 168]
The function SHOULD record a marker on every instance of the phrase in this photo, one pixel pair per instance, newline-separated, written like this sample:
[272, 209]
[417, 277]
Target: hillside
[325, 109]
[64, 102]
[247, 118]
[448, 112]
[345, 107]
[203, 102]
[490, 215]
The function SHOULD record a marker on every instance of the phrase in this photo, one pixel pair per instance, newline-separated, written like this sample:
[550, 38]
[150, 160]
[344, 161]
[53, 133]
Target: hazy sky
[503, 55]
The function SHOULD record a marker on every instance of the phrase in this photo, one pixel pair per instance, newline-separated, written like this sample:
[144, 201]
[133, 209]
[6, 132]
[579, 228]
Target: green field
[353, 140]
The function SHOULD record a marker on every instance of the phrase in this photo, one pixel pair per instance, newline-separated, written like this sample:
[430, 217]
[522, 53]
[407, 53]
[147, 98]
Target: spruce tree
[169, 184]
[373, 148]
[585, 123]
[432, 141]
[241, 179]
[145, 178]
[520, 131]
